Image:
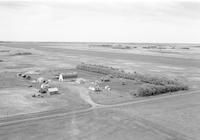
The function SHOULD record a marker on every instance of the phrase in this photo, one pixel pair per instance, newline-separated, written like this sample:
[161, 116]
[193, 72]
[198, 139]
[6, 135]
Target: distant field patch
[113, 46]
[168, 67]
[155, 70]
[194, 78]
[4, 50]
[167, 52]
[19, 66]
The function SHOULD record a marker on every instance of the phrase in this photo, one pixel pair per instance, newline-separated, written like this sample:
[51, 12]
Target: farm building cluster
[98, 79]
[50, 86]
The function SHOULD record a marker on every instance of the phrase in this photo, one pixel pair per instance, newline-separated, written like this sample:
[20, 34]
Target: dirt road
[16, 119]
[167, 118]
[84, 94]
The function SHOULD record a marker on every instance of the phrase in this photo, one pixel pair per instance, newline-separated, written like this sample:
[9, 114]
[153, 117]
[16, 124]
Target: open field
[103, 115]
[175, 118]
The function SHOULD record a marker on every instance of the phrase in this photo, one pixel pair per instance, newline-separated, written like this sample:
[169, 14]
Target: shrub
[150, 89]
[4, 50]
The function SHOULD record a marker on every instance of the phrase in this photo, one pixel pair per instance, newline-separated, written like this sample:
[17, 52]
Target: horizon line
[96, 42]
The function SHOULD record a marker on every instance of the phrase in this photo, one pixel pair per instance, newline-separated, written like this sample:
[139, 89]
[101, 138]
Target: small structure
[19, 74]
[107, 88]
[33, 81]
[123, 83]
[80, 80]
[97, 82]
[52, 91]
[94, 88]
[36, 95]
[105, 79]
[41, 80]
[91, 88]
[43, 90]
[28, 77]
[32, 72]
[45, 86]
[70, 75]
[111, 76]
[25, 76]
[61, 78]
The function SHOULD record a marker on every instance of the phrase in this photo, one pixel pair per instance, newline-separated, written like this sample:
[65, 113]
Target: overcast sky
[100, 20]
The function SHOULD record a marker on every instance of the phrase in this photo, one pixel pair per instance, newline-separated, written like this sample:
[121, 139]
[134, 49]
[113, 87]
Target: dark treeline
[154, 85]
[121, 74]
[21, 53]
[150, 89]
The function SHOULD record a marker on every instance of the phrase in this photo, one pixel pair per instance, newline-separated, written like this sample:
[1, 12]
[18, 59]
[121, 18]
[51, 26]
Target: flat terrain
[171, 118]
[76, 113]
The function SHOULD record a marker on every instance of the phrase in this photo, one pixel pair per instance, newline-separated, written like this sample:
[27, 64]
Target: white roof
[40, 79]
[52, 89]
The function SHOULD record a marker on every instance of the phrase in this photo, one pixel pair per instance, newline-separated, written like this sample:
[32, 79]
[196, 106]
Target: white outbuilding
[107, 88]
[94, 88]
[40, 80]
[80, 81]
[52, 91]
[61, 78]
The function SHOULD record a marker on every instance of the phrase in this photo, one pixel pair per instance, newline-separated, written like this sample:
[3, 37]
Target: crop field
[113, 112]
